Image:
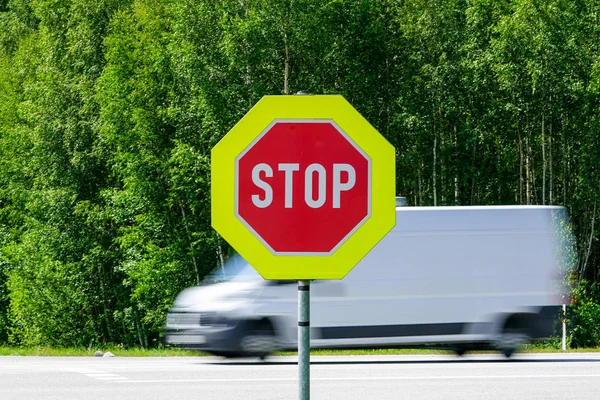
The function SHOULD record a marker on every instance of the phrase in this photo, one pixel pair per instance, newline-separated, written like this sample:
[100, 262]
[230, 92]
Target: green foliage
[585, 324]
[4, 304]
[44, 306]
[109, 109]
[584, 316]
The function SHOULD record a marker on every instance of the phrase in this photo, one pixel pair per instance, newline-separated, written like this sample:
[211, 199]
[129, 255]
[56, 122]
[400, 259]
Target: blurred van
[458, 278]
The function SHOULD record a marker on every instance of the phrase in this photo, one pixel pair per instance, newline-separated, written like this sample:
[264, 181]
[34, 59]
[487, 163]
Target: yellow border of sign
[383, 209]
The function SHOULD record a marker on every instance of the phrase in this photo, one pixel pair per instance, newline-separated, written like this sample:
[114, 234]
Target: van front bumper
[219, 337]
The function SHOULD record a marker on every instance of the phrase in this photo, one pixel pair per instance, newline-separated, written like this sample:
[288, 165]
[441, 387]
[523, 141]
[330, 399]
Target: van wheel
[508, 352]
[259, 340]
[511, 342]
[516, 333]
[225, 354]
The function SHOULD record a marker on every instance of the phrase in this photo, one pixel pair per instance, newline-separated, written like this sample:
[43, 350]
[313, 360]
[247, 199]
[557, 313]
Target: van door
[328, 306]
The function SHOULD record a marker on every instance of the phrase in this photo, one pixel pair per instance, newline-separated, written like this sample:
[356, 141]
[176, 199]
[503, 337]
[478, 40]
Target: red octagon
[303, 187]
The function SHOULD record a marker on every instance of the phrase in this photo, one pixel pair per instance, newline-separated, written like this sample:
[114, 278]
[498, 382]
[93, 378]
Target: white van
[459, 278]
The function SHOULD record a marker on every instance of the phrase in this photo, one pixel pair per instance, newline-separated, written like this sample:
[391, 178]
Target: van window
[235, 269]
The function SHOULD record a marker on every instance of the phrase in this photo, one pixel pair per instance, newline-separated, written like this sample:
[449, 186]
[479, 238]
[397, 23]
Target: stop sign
[303, 187]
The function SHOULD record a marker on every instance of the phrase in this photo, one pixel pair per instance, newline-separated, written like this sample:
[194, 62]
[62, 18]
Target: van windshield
[234, 269]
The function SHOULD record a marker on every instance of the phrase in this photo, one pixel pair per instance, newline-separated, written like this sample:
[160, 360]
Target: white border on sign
[257, 235]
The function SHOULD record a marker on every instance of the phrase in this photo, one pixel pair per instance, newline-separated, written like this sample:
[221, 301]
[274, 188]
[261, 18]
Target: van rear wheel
[516, 333]
[508, 352]
[460, 351]
[511, 342]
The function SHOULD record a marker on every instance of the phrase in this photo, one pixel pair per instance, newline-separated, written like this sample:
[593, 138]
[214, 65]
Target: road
[539, 376]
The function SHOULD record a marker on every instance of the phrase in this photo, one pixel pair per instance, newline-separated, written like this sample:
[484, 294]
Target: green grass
[88, 352]
[174, 352]
[366, 352]
[550, 349]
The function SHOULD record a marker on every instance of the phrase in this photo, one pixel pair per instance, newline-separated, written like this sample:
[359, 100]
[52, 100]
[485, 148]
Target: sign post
[303, 187]
[304, 340]
[564, 327]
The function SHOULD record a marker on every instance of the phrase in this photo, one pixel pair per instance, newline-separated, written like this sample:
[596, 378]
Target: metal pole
[304, 340]
[303, 332]
[564, 327]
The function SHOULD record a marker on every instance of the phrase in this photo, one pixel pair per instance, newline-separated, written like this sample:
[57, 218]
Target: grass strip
[47, 351]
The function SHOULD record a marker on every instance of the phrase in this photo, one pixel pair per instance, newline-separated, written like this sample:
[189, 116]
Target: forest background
[109, 109]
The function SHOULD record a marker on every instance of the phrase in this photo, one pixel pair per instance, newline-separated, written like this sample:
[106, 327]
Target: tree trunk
[220, 253]
[543, 163]
[499, 168]
[456, 201]
[565, 171]
[191, 242]
[286, 69]
[442, 172]
[434, 170]
[473, 174]
[551, 182]
[105, 300]
[520, 169]
[527, 172]
[589, 247]
[420, 184]
[565, 158]
[248, 68]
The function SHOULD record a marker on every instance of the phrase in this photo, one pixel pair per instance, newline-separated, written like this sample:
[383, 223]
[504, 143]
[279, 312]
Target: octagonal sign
[303, 187]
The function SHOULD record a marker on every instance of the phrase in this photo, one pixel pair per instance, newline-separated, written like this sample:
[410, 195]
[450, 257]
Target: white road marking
[106, 376]
[364, 378]
[112, 379]
[97, 374]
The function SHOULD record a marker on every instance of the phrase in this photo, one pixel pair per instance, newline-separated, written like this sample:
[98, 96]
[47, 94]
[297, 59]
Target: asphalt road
[540, 376]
